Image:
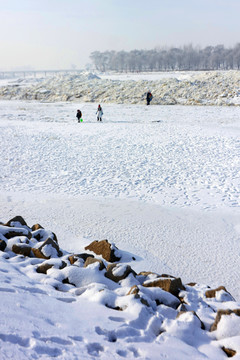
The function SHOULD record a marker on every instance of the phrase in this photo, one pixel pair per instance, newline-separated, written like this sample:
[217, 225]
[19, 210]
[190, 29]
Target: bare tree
[187, 57]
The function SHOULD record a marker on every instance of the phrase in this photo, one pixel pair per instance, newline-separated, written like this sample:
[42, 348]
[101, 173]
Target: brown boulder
[118, 272]
[45, 266]
[36, 227]
[212, 293]
[147, 273]
[74, 257]
[48, 249]
[172, 285]
[91, 260]
[22, 249]
[229, 352]
[105, 249]
[220, 313]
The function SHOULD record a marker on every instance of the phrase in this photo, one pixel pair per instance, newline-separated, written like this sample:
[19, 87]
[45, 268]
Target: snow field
[154, 162]
[187, 165]
[161, 182]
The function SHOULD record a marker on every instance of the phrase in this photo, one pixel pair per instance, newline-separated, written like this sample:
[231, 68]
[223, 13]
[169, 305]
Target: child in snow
[79, 115]
[149, 98]
[99, 113]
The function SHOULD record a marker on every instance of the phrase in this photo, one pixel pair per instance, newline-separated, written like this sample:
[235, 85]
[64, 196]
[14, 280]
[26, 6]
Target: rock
[3, 245]
[172, 285]
[10, 232]
[172, 301]
[220, 313]
[105, 249]
[147, 273]
[118, 272]
[193, 312]
[66, 281]
[22, 249]
[212, 293]
[45, 266]
[48, 249]
[144, 301]
[36, 227]
[73, 258]
[117, 308]
[91, 260]
[18, 220]
[160, 296]
[229, 352]
[42, 235]
[134, 290]
[182, 308]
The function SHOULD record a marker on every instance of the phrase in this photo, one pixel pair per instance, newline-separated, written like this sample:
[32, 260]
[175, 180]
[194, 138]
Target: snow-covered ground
[161, 182]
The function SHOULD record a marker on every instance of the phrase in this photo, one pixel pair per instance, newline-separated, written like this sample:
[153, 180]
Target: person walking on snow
[99, 113]
[149, 98]
[79, 115]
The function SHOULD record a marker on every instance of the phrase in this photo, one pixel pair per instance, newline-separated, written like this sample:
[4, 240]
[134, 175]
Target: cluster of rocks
[210, 88]
[148, 289]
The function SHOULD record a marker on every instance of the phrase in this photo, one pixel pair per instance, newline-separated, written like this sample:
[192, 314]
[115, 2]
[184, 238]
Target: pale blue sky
[54, 34]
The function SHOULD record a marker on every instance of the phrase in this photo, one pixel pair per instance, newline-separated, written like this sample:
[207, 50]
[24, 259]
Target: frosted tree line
[187, 57]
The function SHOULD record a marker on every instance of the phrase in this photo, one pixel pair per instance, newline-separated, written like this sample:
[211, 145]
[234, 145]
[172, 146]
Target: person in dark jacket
[149, 98]
[79, 115]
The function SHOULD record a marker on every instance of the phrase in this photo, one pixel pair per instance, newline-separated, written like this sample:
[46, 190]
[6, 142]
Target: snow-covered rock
[145, 308]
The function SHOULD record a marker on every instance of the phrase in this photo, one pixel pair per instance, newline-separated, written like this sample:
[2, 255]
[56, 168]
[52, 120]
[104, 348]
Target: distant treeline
[169, 59]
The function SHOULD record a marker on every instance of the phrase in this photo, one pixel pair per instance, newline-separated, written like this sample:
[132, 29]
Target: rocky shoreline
[103, 271]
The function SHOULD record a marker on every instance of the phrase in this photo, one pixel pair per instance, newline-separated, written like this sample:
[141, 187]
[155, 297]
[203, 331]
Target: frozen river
[162, 180]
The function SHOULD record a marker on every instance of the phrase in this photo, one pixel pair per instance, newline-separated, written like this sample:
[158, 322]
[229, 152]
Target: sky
[61, 34]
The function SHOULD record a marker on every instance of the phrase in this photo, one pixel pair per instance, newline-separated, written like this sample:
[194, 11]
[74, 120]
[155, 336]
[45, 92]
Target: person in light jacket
[99, 113]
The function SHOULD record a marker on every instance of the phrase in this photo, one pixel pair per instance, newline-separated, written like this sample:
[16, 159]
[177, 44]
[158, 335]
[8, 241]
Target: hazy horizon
[61, 34]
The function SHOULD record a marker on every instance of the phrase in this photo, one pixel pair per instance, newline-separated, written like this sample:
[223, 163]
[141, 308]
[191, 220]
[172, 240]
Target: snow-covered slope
[85, 306]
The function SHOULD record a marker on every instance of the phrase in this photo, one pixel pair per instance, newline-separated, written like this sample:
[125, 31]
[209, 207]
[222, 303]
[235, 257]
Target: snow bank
[144, 315]
[204, 88]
